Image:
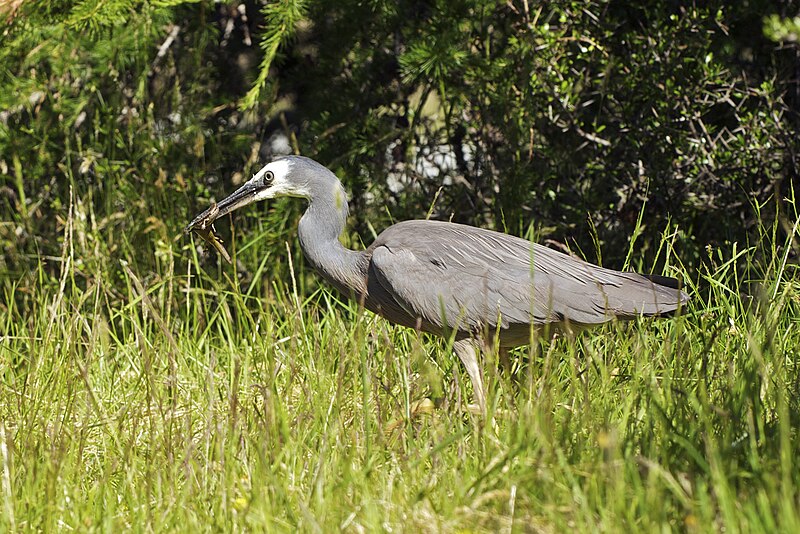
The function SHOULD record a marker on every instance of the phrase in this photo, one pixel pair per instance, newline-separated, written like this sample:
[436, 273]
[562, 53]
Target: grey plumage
[441, 277]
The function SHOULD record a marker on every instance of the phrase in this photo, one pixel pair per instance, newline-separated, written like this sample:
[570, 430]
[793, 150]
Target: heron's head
[292, 176]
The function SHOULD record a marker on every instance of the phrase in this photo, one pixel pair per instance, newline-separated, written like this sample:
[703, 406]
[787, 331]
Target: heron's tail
[669, 297]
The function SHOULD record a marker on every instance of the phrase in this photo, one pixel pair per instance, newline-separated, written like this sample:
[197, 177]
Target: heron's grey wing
[452, 274]
[445, 293]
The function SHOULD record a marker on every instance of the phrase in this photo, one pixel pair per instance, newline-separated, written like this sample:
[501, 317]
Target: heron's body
[435, 276]
[441, 277]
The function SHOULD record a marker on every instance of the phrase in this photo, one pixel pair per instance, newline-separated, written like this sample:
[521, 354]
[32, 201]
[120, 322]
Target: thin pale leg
[467, 353]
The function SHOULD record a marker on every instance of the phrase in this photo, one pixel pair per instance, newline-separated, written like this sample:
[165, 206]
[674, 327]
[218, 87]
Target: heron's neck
[319, 231]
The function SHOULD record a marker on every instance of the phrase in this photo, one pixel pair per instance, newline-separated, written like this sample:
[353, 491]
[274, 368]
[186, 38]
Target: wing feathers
[465, 277]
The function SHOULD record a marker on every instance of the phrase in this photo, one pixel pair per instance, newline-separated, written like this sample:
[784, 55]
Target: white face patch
[281, 185]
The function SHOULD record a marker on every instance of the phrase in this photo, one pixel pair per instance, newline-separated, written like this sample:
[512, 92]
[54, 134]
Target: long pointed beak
[239, 198]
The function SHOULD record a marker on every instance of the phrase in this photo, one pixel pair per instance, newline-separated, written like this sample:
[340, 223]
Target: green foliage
[511, 116]
[96, 14]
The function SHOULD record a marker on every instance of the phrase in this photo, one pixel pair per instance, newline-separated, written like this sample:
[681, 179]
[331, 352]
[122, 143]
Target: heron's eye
[269, 176]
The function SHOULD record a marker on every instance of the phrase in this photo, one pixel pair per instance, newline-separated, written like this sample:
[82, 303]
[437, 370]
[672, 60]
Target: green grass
[183, 401]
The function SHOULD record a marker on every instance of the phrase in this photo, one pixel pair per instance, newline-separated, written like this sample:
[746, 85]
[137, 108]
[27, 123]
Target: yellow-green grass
[180, 401]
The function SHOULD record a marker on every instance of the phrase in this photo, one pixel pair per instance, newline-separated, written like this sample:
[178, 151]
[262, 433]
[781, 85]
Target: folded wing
[463, 277]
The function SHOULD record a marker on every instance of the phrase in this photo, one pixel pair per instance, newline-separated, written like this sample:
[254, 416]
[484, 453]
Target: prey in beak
[251, 191]
[202, 226]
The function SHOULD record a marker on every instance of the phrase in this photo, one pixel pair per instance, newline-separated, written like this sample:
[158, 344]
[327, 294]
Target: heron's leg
[505, 361]
[467, 353]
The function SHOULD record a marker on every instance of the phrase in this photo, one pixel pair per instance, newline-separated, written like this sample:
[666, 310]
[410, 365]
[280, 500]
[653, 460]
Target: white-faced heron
[447, 278]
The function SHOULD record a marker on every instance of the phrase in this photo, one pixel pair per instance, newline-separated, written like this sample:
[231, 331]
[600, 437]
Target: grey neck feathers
[319, 231]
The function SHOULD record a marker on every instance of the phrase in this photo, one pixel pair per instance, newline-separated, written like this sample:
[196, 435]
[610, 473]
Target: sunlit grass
[181, 401]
